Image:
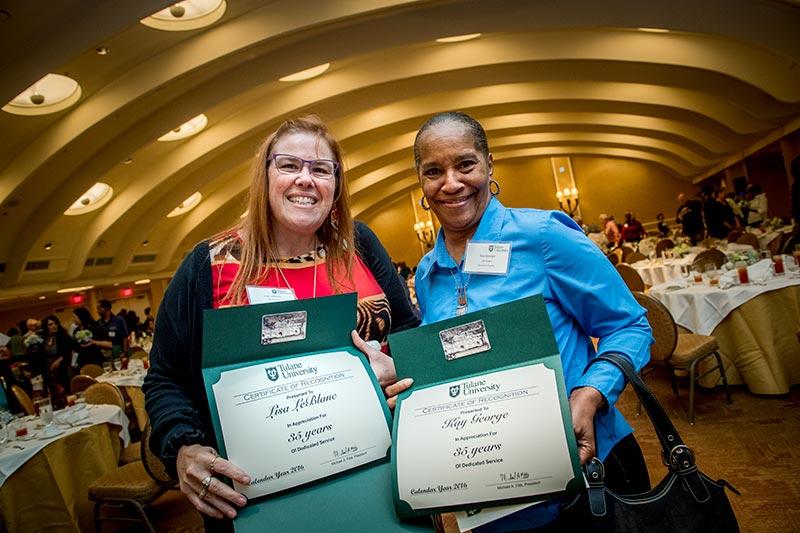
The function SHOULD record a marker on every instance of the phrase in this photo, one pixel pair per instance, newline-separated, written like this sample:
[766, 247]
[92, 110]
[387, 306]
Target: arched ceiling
[546, 78]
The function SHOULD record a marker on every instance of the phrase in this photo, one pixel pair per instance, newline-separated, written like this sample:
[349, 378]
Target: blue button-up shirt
[584, 296]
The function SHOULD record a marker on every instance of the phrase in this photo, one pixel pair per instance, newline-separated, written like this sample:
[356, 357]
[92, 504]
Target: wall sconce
[425, 232]
[570, 197]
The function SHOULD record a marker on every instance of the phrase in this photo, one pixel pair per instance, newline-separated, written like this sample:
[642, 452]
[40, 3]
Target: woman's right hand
[393, 390]
[196, 463]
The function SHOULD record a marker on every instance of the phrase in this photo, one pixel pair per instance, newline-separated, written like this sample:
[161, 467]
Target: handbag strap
[675, 454]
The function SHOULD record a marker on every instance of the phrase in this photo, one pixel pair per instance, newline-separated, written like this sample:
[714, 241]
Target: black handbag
[686, 500]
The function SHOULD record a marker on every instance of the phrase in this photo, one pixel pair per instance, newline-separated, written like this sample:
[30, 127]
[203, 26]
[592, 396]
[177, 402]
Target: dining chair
[80, 383]
[630, 276]
[680, 351]
[749, 238]
[92, 370]
[792, 240]
[626, 251]
[104, 393]
[774, 246]
[23, 399]
[714, 256]
[664, 244]
[734, 235]
[131, 487]
[635, 257]
[614, 258]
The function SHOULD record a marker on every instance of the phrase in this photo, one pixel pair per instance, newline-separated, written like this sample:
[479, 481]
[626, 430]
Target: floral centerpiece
[648, 245]
[83, 336]
[682, 249]
[32, 341]
[748, 256]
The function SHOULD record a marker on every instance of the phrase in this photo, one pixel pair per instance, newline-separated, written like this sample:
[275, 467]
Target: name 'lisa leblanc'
[277, 409]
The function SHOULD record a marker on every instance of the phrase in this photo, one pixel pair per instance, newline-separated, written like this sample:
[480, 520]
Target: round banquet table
[50, 491]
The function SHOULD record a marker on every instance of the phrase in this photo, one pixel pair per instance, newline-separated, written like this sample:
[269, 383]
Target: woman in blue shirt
[550, 255]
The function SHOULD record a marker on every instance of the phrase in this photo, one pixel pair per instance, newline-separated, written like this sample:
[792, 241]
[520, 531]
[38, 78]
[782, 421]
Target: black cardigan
[174, 391]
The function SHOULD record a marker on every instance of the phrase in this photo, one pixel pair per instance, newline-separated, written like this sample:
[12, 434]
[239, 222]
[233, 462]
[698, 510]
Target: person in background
[86, 329]
[16, 344]
[610, 230]
[690, 217]
[718, 215]
[795, 171]
[662, 227]
[58, 357]
[632, 230]
[112, 330]
[757, 202]
[550, 255]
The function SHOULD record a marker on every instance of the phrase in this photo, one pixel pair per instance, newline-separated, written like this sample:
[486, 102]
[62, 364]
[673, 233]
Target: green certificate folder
[278, 378]
[487, 421]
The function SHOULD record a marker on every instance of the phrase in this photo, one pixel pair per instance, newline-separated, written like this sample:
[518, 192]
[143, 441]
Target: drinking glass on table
[108, 367]
[777, 264]
[712, 275]
[741, 271]
[117, 363]
[45, 408]
[3, 432]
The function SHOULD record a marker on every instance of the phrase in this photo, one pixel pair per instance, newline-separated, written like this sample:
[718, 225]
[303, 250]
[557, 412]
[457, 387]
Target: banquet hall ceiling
[546, 78]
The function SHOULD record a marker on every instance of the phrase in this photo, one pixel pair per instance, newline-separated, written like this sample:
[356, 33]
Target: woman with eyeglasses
[297, 236]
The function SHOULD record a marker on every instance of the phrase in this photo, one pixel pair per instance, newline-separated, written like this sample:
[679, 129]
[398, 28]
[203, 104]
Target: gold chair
[774, 246]
[631, 278]
[104, 393]
[23, 399]
[614, 258]
[626, 251]
[635, 257]
[679, 351]
[91, 370]
[664, 244]
[132, 486]
[706, 257]
[734, 235]
[80, 383]
[749, 238]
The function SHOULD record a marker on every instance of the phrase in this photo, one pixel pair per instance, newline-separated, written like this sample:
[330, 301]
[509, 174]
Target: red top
[374, 314]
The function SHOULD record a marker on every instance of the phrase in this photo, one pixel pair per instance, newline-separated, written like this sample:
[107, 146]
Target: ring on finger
[211, 464]
[206, 482]
[203, 493]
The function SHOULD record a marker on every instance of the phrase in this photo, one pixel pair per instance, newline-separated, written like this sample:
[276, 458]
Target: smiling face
[299, 204]
[52, 327]
[454, 175]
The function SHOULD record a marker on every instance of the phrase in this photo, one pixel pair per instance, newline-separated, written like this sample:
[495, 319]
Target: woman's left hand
[583, 404]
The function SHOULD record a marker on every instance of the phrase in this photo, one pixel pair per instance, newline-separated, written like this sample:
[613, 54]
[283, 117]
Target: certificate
[486, 422]
[497, 436]
[296, 420]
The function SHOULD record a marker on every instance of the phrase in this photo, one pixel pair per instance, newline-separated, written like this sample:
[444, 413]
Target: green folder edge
[366, 489]
[441, 371]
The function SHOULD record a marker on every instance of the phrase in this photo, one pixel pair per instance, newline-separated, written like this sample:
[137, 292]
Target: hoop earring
[423, 205]
[497, 186]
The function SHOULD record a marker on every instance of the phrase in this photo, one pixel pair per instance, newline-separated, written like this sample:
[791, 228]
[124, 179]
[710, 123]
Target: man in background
[690, 217]
[113, 333]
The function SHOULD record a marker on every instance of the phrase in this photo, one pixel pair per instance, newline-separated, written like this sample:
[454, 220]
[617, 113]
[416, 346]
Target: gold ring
[211, 464]
[206, 481]
[203, 493]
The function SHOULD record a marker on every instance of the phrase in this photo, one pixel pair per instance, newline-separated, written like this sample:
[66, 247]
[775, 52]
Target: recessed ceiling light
[458, 38]
[145, 243]
[96, 197]
[42, 297]
[187, 129]
[75, 289]
[186, 205]
[307, 74]
[654, 30]
[141, 282]
[188, 15]
[50, 94]
[127, 161]
[48, 246]
[116, 284]
[102, 50]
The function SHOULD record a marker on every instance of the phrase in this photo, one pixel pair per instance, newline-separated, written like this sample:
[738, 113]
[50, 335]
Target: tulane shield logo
[455, 390]
[272, 373]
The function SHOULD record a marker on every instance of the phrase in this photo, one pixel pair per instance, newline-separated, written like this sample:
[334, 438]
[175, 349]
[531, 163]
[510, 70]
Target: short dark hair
[459, 117]
[104, 304]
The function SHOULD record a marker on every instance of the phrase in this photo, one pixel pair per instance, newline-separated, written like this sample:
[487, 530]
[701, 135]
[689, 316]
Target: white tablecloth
[14, 454]
[124, 378]
[700, 308]
[660, 270]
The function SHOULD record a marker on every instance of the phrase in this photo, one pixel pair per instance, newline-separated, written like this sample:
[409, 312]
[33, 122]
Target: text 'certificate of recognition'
[296, 420]
[493, 437]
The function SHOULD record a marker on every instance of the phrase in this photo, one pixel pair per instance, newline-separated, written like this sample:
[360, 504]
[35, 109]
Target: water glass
[117, 364]
[107, 367]
[712, 275]
[45, 408]
[3, 432]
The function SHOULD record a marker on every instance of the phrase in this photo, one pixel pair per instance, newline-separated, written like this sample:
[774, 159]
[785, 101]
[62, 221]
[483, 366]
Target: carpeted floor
[754, 443]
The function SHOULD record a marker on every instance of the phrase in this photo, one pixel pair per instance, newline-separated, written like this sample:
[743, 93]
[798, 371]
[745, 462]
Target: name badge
[487, 258]
[112, 333]
[266, 295]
